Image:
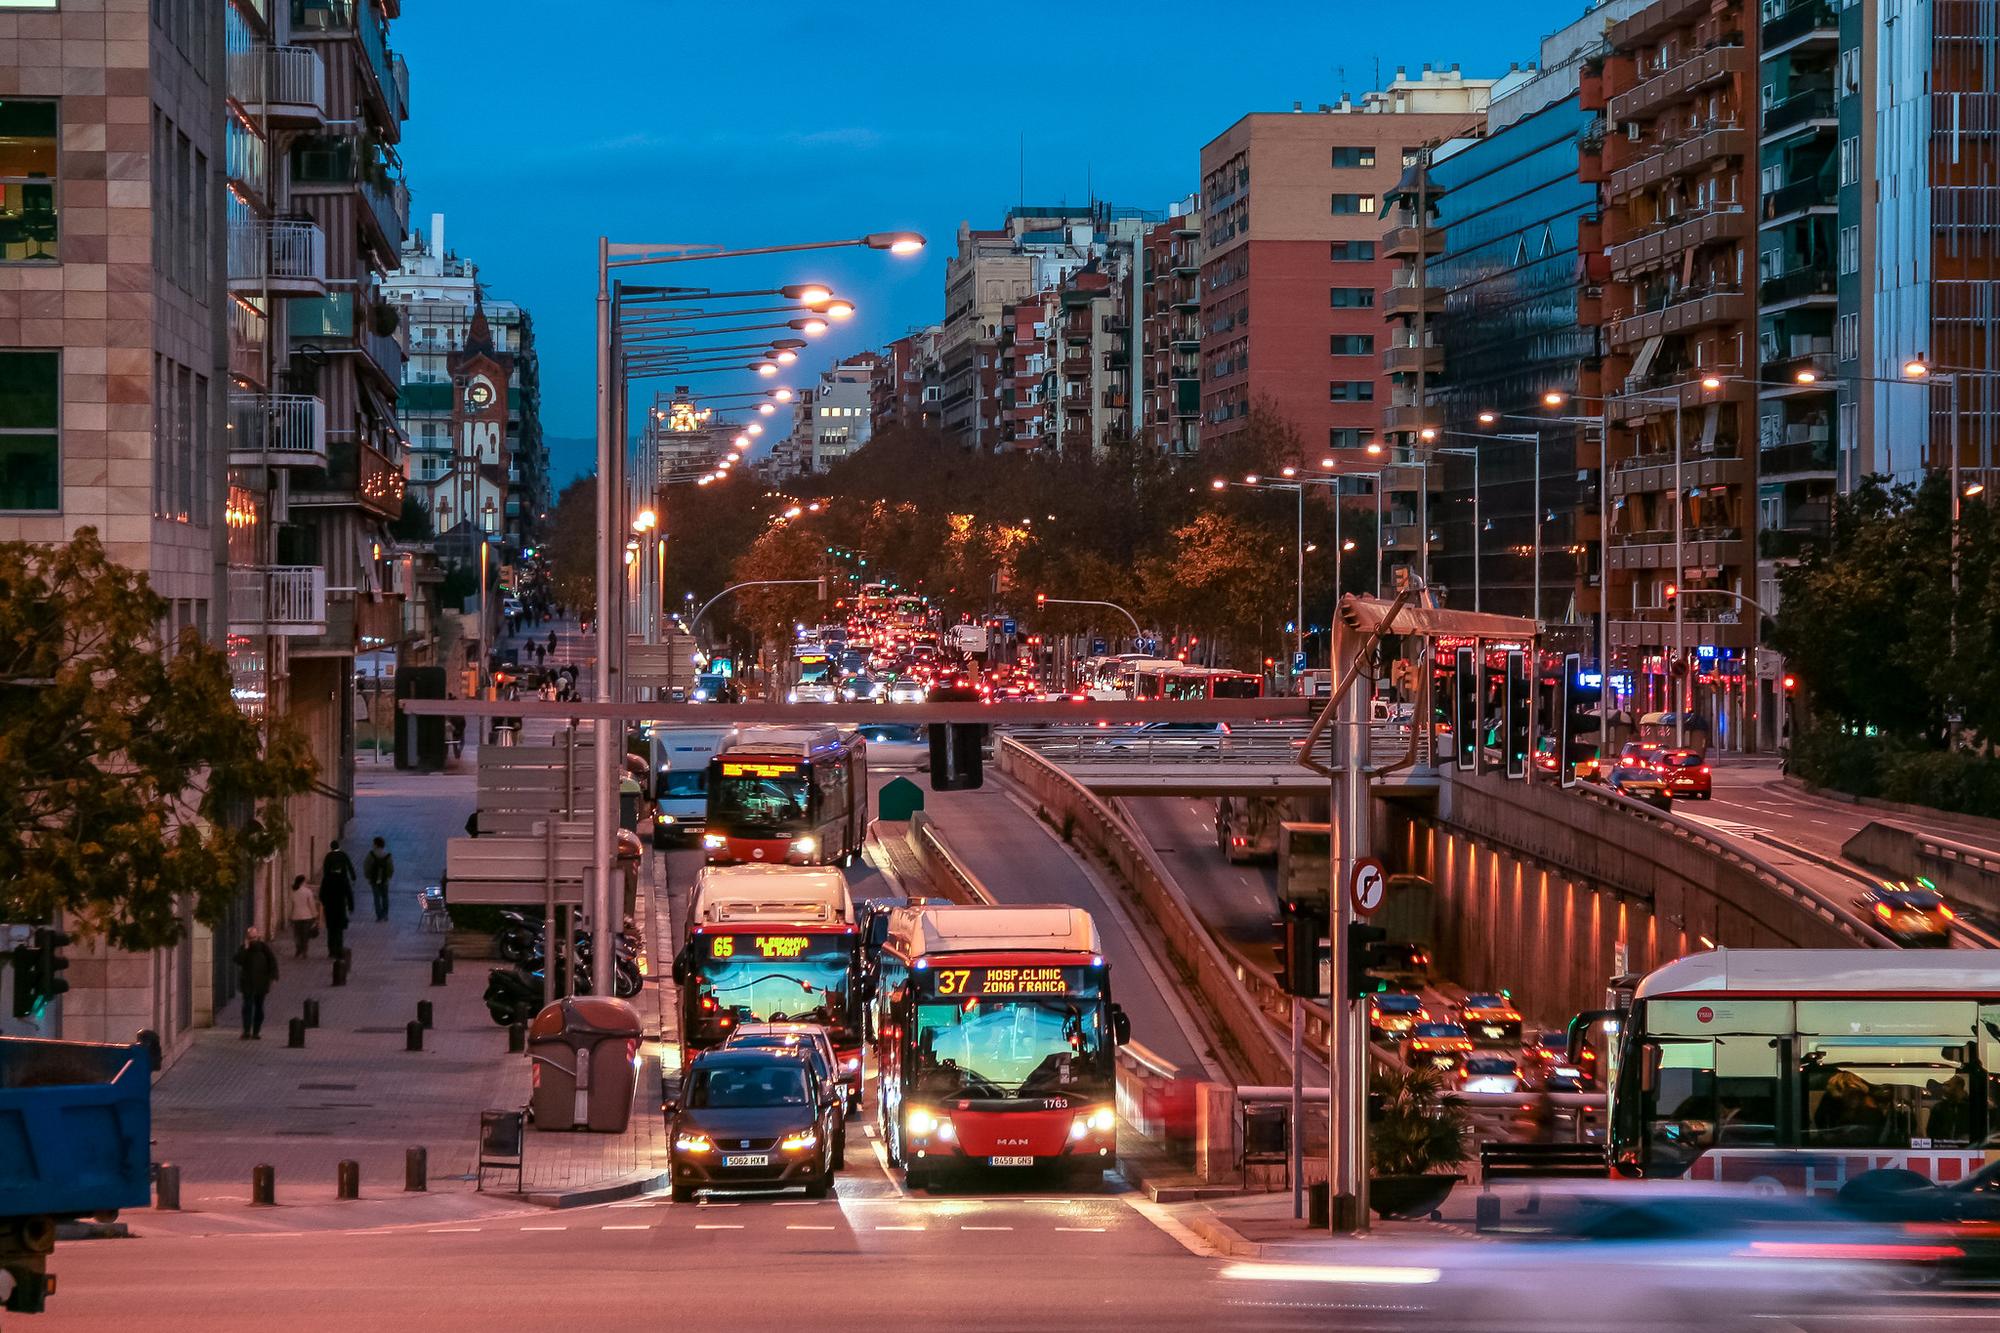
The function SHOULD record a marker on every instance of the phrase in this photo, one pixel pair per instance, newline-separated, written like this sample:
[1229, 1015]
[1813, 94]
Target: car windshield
[1440, 1030]
[1010, 1048]
[1682, 759]
[775, 1041]
[710, 685]
[1399, 1004]
[1490, 1064]
[1912, 900]
[691, 784]
[742, 1087]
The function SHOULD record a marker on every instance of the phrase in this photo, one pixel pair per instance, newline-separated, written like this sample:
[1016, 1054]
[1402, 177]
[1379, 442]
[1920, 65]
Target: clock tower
[475, 496]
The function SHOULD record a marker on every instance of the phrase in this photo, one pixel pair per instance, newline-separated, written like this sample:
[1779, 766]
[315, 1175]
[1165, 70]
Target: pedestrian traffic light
[1516, 708]
[38, 969]
[958, 759]
[1299, 934]
[1364, 955]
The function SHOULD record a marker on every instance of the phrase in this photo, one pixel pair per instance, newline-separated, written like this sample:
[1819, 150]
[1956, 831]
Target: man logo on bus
[1704, 1015]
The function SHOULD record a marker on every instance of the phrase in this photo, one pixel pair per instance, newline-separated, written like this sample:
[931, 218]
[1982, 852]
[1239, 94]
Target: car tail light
[1948, 914]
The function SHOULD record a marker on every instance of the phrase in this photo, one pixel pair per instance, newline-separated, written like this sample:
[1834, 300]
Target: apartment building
[113, 359]
[841, 419]
[906, 390]
[1680, 327]
[1024, 368]
[448, 321]
[1290, 210]
[1166, 395]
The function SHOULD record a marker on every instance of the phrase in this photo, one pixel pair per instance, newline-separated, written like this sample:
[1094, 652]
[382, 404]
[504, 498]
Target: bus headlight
[1100, 1121]
[714, 842]
[921, 1123]
[805, 846]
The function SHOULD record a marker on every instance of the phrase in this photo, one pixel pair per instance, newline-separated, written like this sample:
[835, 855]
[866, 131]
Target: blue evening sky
[536, 129]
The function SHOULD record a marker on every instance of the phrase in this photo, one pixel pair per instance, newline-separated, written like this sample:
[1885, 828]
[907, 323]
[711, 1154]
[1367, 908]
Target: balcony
[1409, 359]
[1811, 109]
[1809, 21]
[1799, 288]
[1703, 548]
[249, 335]
[1656, 18]
[1707, 627]
[1801, 196]
[387, 81]
[1811, 454]
[324, 166]
[281, 258]
[357, 474]
[276, 430]
[1406, 417]
[1679, 83]
[1658, 249]
[285, 86]
[244, 157]
[1409, 299]
[1683, 313]
[1409, 242]
[1716, 143]
[277, 599]
[1653, 474]
[335, 318]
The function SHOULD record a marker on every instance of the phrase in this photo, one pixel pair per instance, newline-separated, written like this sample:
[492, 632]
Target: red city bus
[1200, 684]
[771, 944]
[787, 796]
[995, 1041]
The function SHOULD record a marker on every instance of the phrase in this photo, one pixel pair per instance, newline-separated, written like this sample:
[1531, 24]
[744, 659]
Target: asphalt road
[1238, 903]
[1749, 790]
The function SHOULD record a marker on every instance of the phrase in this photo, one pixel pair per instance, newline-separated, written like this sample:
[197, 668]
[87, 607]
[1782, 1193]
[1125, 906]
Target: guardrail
[1968, 871]
[945, 870]
[1219, 983]
[1243, 743]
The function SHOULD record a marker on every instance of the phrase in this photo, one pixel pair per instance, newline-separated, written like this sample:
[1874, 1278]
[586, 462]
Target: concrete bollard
[413, 1036]
[295, 1034]
[151, 1041]
[439, 971]
[347, 1180]
[340, 966]
[264, 1185]
[517, 1038]
[312, 1013]
[425, 1014]
[167, 1189]
[450, 958]
[416, 1170]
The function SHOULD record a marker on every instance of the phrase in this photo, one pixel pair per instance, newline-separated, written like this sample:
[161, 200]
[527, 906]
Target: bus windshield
[766, 804]
[774, 977]
[987, 1048]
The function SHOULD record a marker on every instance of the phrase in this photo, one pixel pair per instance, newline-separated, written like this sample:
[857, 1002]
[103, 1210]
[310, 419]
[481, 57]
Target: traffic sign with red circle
[1367, 886]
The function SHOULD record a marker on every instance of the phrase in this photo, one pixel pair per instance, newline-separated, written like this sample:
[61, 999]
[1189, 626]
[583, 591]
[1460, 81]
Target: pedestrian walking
[256, 969]
[304, 915]
[377, 867]
[552, 641]
[336, 897]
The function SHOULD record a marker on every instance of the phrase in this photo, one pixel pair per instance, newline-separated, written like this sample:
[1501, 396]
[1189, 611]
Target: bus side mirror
[670, 1094]
[1121, 1026]
[867, 990]
[683, 965]
[1579, 1031]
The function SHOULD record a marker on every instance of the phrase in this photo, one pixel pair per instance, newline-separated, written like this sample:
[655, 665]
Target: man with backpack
[336, 897]
[378, 866]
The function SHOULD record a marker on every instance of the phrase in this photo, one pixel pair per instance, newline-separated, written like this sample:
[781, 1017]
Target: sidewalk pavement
[354, 1091]
[1261, 1226]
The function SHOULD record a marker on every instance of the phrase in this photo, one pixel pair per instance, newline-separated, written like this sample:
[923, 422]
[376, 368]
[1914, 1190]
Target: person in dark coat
[336, 896]
[378, 866]
[256, 969]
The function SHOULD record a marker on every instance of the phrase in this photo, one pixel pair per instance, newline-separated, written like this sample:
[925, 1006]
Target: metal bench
[435, 919]
[1541, 1161]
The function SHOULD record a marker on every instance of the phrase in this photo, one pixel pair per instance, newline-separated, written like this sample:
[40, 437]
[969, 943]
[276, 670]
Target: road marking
[640, 1226]
[711, 1203]
[796, 1226]
[1079, 1228]
[986, 1228]
[718, 1226]
[651, 1203]
[545, 1228]
[1168, 1223]
[882, 1160]
[909, 1226]
[442, 1231]
[797, 1203]
[869, 1130]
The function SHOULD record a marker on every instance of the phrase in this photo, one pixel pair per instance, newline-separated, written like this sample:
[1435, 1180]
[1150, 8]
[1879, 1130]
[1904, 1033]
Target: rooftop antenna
[1021, 195]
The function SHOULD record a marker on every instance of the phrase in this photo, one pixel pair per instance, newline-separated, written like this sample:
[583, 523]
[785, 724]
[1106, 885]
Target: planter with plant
[1415, 1137]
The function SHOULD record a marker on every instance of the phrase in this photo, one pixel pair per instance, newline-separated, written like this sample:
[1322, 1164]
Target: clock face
[479, 394]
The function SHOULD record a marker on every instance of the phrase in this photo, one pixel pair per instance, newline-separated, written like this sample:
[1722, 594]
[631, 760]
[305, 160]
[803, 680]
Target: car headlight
[921, 1123]
[791, 696]
[714, 841]
[805, 846]
[663, 817]
[804, 1141]
[700, 696]
[693, 1143]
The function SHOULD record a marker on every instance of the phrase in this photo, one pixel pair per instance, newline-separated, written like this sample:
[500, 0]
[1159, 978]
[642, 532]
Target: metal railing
[288, 252]
[282, 429]
[277, 596]
[1254, 743]
[278, 76]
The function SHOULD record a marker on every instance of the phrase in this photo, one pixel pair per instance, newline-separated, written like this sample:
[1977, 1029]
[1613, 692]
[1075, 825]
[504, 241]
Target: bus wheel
[914, 1179]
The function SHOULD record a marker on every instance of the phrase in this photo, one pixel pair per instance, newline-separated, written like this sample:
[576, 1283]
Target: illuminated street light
[1219, 484]
[1916, 369]
[895, 242]
[1554, 398]
[812, 294]
[1374, 448]
[753, 429]
[1807, 376]
[766, 409]
[1328, 462]
[784, 356]
[1250, 478]
[1488, 418]
[782, 395]
[839, 309]
[767, 368]
[1289, 471]
[1427, 434]
[812, 327]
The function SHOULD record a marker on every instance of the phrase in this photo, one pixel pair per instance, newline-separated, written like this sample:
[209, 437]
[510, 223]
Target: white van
[680, 779]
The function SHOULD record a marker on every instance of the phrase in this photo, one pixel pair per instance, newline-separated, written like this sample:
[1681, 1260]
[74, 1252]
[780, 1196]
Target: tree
[131, 785]
[572, 544]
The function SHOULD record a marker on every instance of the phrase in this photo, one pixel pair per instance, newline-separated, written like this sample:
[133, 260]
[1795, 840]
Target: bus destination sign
[738, 768]
[955, 981]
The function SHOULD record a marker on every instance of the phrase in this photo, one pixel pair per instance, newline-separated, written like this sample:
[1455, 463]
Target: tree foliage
[572, 544]
[131, 785]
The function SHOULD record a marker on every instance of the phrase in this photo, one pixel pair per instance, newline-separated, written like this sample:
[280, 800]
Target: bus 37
[995, 1039]
[1802, 1068]
[787, 795]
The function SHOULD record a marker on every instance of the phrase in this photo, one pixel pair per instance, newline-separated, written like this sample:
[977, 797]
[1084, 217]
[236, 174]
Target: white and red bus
[995, 1041]
[1200, 684]
[770, 944]
[787, 796]
[1802, 1068]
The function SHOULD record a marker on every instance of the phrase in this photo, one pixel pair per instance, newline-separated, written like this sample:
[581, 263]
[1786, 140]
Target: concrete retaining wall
[1963, 871]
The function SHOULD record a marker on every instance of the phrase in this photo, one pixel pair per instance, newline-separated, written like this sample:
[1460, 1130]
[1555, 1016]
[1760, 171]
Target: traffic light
[958, 760]
[1041, 600]
[1672, 591]
[38, 969]
[1364, 955]
[1298, 948]
[1791, 684]
[822, 587]
[1516, 708]
[1465, 721]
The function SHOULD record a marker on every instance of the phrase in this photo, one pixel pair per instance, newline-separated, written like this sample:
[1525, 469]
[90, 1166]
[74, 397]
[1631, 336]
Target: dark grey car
[753, 1118]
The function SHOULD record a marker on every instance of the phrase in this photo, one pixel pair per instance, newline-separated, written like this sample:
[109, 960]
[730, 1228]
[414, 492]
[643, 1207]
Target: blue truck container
[75, 1141]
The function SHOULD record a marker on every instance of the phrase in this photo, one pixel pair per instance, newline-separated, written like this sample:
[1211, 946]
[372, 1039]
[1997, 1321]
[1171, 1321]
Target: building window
[1346, 204]
[1352, 344]
[1351, 298]
[1346, 437]
[1850, 337]
[1411, 156]
[1347, 252]
[1850, 249]
[1850, 71]
[1351, 391]
[1354, 157]
[30, 439]
[1850, 161]
[27, 180]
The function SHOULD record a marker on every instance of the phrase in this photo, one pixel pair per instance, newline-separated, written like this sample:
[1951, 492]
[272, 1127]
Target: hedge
[1960, 781]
